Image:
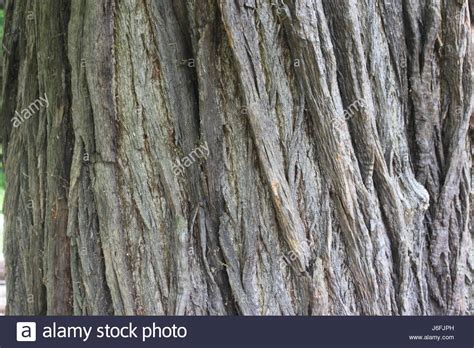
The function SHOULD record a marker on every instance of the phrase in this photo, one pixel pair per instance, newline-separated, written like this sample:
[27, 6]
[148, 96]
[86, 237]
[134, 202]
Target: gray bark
[336, 179]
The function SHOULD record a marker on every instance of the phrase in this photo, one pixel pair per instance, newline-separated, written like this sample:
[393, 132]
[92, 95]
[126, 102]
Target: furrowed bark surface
[335, 178]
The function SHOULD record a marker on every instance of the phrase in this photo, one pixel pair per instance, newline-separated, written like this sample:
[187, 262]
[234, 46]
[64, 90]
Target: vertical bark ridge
[264, 128]
[313, 45]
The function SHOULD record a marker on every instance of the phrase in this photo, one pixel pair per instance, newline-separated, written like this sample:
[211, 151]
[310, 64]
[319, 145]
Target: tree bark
[249, 157]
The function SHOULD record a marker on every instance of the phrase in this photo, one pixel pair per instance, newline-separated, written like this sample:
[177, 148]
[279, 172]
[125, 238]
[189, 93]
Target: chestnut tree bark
[336, 178]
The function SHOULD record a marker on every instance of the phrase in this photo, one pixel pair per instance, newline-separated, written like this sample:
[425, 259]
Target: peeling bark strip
[336, 171]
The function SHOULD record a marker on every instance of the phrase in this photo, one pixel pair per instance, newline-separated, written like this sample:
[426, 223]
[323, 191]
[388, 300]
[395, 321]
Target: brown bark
[324, 150]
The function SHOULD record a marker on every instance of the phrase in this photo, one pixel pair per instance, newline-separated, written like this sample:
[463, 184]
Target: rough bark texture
[337, 175]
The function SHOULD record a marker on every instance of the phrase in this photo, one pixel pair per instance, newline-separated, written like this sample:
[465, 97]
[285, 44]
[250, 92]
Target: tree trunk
[238, 157]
